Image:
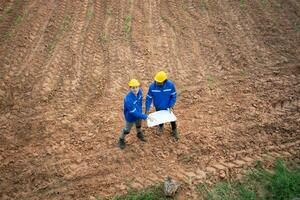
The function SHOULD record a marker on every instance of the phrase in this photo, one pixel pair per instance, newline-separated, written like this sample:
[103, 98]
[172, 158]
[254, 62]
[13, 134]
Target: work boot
[140, 135]
[122, 143]
[159, 130]
[175, 134]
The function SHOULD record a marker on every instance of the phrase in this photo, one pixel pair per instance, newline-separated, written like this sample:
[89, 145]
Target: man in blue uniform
[162, 94]
[133, 112]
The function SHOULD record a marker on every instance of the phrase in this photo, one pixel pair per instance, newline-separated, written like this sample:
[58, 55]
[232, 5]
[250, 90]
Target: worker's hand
[152, 119]
[170, 109]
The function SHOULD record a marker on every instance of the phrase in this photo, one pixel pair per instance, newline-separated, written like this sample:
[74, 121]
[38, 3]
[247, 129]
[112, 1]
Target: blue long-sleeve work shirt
[133, 106]
[163, 96]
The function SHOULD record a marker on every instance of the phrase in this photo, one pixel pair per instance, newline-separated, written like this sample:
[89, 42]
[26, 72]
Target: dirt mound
[64, 68]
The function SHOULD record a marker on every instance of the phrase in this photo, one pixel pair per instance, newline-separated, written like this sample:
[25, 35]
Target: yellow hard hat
[134, 83]
[160, 77]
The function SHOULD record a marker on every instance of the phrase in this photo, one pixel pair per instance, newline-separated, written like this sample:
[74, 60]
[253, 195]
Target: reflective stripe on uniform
[149, 96]
[167, 90]
[133, 110]
[155, 90]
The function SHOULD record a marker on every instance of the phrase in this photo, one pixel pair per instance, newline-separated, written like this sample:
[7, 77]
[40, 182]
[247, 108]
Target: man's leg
[124, 132]
[173, 125]
[139, 132]
[160, 129]
[174, 130]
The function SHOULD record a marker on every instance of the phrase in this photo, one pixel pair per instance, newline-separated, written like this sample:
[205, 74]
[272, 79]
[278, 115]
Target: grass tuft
[279, 184]
[211, 80]
[153, 193]
[203, 5]
[127, 26]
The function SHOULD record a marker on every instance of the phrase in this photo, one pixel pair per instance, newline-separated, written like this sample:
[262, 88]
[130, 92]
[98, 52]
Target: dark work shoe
[122, 143]
[140, 135]
[159, 130]
[175, 134]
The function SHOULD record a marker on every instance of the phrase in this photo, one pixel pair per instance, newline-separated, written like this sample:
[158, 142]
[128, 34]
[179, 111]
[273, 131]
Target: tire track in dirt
[46, 27]
[58, 77]
[284, 105]
[93, 59]
[84, 61]
[47, 38]
[30, 29]
[187, 174]
[10, 20]
[138, 43]
[38, 24]
[176, 59]
[11, 47]
[223, 168]
[18, 83]
[161, 40]
[119, 49]
[48, 78]
[81, 110]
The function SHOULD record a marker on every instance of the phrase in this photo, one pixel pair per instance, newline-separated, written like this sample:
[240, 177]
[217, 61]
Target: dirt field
[64, 68]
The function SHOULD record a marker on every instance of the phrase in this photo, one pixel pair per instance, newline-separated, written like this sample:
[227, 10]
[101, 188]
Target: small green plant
[166, 20]
[103, 38]
[18, 20]
[184, 5]
[51, 47]
[210, 81]
[109, 12]
[5, 12]
[90, 14]
[264, 2]
[17, 2]
[203, 5]
[127, 26]
[62, 28]
[279, 5]
[163, 18]
[242, 3]
[8, 9]
[296, 26]
[130, 2]
[202, 188]
[258, 164]
[8, 35]
[282, 183]
[64, 24]
[229, 191]
[243, 72]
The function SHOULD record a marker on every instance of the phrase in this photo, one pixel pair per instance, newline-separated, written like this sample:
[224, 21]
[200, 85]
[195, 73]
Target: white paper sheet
[161, 116]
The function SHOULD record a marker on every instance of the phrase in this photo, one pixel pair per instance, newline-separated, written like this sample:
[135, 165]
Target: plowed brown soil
[64, 68]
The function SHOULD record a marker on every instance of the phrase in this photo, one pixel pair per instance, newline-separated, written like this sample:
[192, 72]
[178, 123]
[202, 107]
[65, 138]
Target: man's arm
[132, 110]
[149, 99]
[173, 97]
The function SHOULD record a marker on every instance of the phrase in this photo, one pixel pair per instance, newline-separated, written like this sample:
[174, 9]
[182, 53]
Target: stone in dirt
[170, 187]
[222, 174]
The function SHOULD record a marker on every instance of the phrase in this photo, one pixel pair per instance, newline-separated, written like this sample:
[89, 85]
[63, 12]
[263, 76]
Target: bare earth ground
[64, 68]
